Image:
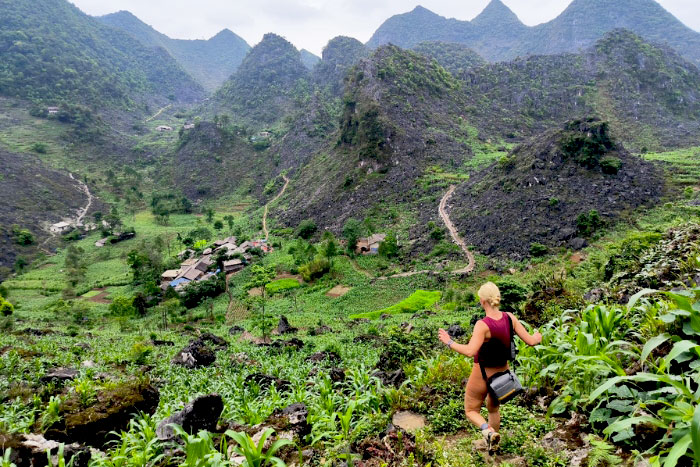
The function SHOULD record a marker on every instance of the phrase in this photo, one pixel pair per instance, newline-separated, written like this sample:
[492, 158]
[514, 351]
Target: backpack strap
[512, 337]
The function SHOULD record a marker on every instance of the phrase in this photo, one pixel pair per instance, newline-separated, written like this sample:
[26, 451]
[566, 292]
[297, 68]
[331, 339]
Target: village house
[234, 265]
[52, 110]
[163, 128]
[170, 275]
[370, 245]
[204, 264]
[61, 228]
[188, 126]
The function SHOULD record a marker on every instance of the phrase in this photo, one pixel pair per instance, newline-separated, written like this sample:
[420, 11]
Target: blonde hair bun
[489, 293]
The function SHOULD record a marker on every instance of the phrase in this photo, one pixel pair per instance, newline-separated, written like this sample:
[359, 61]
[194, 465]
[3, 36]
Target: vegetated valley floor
[50, 330]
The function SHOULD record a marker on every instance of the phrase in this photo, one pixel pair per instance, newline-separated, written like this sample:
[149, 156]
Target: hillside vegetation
[52, 52]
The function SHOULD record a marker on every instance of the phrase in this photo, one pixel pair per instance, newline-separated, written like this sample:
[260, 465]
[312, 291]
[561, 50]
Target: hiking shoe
[493, 439]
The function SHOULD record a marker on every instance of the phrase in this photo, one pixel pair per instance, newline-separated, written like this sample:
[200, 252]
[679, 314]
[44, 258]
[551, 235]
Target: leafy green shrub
[122, 306]
[586, 141]
[281, 285]
[537, 249]
[507, 162]
[589, 222]
[195, 292]
[610, 165]
[6, 308]
[553, 202]
[40, 148]
[689, 193]
[447, 418]
[306, 229]
[512, 294]
[419, 300]
[22, 236]
[390, 246]
[139, 353]
[316, 268]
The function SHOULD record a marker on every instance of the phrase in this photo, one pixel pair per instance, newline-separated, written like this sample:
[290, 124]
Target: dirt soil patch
[338, 291]
[101, 297]
[255, 292]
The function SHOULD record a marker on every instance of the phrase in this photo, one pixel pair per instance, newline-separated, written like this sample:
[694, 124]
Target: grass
[683, 165]
[282, 285]
[419, 300]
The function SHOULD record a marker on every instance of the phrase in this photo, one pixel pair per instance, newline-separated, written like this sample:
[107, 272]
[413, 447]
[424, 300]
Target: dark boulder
[159, 343]
[235, 330]
[59, 375]
[94, 425]
[578, 243]
[197, 354]
[30, 450]
[337, 375]
[218, 342]
[325, 356]
[291, 419]
[293, 342]
[456, 331]
[283, 327]
[390, 378]
[323, 329]
[265, 381]
[200, 414]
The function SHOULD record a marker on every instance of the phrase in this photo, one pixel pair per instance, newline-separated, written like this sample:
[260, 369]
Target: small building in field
[204, 264]
[370, 245]
[234, 265]
[52, 110]
[188, 126]
[61, 228]
[163, 128]
[191, 274]
[170, 275]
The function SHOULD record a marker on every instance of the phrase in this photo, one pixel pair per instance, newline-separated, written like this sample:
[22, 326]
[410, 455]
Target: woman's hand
[538, 338]
[444, 337]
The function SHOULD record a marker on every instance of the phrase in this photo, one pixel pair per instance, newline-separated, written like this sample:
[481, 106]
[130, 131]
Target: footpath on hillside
[279, 195]
[82, 212]
[442, 210]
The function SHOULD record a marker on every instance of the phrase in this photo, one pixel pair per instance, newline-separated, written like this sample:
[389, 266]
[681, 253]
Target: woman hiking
[490, 347]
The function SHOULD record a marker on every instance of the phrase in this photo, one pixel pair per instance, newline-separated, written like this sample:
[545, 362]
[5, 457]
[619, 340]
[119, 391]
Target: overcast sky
[310, 24]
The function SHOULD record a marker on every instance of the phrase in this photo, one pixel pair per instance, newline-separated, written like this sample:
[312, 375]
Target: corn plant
[679, 416]
[137, 447]
[255, 454]
[6, 462]
[200, 450]
[52, 413]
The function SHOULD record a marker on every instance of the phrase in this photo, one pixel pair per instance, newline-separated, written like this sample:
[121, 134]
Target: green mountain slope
[51, 51]
[497, 34]
[309, 59]
[267, 85]
[210, 62]
[455, 58]
[340, 54]
[648, 94]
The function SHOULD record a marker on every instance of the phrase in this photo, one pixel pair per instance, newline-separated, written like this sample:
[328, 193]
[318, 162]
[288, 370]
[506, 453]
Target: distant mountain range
[210, 62]
[51, 51]
[497, 34]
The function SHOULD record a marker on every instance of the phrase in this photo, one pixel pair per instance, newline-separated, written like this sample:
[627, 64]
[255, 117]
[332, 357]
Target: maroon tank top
[495, 352]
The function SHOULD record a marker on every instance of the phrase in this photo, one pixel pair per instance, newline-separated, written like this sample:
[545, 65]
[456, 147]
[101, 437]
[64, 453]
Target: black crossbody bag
[505, 385]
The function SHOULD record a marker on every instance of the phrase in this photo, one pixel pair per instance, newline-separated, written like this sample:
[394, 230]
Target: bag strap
[512, 337]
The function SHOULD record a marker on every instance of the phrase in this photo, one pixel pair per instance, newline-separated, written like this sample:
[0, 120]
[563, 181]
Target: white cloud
[310, 24]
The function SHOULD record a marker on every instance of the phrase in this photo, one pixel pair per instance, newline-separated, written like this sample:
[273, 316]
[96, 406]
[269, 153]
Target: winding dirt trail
[81, 212]
[453, 232]
[158, 113]
[279, 195]
[442, 210]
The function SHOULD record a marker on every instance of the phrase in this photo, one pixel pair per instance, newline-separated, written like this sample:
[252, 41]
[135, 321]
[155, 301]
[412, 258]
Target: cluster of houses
[62, 228]
[370, 245]
[164, 128]
[195, 268]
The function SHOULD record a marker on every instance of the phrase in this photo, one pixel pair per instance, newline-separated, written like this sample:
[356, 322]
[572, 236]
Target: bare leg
[474, 396]
[494, 414]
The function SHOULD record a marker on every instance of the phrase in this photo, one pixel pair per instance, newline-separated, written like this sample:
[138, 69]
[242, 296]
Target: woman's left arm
[475, 343]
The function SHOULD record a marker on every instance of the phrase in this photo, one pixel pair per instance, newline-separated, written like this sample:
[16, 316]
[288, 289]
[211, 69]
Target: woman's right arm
[522, 333]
